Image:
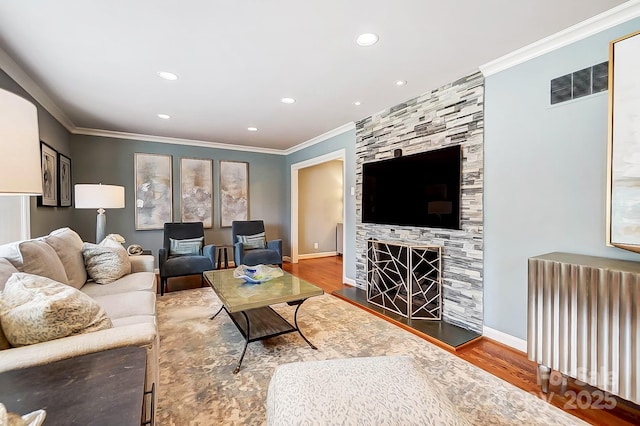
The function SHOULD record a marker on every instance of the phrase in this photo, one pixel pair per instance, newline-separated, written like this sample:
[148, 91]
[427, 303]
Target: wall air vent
[580, 83]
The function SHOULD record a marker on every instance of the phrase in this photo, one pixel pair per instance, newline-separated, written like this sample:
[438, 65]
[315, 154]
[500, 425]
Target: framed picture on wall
[196, 191]
[64, 181]
[154, 191]
[234, 192]
[49, 157]
[623, 189]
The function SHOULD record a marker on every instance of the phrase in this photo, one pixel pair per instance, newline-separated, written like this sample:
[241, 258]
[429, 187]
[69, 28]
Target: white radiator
[584, 321]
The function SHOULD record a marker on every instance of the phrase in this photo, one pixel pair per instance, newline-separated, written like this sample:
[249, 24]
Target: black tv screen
[415, 190]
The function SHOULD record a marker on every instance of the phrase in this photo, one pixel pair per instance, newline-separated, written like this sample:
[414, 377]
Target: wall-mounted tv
[421, 190]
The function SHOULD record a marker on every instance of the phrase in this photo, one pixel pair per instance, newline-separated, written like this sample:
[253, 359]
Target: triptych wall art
[234, 192]
[196, 191]
[153, 183]
[56, 178]
[154, 193]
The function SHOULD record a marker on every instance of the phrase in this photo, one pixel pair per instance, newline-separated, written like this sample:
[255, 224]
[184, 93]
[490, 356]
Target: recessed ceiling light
[400, 82]
[367, 39]
[167, 75]
[357, 103]
[252, 129]
[164, 116]
[287, 100]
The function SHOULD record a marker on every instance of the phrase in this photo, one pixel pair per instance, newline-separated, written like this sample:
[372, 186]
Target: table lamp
[20, 172]
[98, 196]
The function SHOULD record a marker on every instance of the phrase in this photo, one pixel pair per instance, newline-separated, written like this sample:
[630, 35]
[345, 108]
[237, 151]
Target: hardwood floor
[325, 272]
[587, 403]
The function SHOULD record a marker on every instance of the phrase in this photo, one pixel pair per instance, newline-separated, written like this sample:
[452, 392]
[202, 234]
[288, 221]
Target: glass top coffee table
[248, 305]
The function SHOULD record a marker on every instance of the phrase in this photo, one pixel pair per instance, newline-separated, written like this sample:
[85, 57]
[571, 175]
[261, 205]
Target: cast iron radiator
[583, 321]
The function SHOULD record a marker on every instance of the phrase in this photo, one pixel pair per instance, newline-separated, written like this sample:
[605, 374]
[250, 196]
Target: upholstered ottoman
[363, 391]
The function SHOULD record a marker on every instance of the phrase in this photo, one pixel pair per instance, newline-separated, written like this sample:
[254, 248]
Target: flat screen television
[421, 190]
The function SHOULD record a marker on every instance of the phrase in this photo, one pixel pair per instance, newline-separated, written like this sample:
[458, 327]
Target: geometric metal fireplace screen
[405, 279]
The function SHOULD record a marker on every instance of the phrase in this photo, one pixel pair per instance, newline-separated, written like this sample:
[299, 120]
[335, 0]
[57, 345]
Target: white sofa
[129, 302]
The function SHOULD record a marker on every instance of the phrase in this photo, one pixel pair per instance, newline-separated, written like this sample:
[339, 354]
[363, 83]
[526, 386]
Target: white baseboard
[316, 255]
[349, 281]
[505, 339]
[286, 259]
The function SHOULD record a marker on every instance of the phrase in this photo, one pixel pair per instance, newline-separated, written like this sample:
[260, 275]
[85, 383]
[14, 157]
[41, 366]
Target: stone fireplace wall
[450, 115]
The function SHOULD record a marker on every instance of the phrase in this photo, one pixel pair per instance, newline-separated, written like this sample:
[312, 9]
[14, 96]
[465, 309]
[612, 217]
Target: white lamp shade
[98, 196]
[20, 163]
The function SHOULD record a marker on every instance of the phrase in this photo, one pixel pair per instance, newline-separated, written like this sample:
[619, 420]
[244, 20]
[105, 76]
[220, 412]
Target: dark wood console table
[103, 388]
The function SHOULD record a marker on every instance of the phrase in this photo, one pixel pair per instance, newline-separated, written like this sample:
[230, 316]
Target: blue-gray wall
[545, 174]
[111, 161]
[346, 141]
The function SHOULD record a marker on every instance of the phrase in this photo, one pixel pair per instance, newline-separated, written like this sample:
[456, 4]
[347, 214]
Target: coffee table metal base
[263, 323]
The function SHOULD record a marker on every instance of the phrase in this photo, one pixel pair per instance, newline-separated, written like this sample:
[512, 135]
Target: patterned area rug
[198, 355]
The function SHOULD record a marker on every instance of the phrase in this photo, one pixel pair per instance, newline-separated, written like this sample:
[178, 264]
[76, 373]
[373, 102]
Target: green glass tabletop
[237, 295]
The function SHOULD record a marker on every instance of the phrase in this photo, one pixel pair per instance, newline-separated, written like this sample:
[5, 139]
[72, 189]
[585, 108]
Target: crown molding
[173, 141]
[14, 71]
[580, 31]
[321, 138]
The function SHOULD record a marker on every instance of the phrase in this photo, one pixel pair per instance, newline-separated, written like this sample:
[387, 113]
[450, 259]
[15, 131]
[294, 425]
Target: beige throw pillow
[39, 258]
[68, 246]
[36, 309]
[106, 262]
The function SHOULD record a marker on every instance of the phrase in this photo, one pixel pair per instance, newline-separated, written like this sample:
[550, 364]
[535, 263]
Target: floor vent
[580, 83]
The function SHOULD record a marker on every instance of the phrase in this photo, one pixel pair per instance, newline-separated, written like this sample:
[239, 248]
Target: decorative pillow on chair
[106, 262]
[256, 241]
[189, 246]
[36, 309]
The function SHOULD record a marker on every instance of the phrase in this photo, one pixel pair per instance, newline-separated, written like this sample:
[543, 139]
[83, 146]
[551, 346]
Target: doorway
[296, 197]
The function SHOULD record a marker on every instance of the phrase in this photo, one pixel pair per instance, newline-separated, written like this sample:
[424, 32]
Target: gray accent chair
[271, 255]
[183, 265]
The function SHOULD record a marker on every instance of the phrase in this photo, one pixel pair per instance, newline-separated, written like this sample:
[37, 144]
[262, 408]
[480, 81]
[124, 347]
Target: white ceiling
[97, 60]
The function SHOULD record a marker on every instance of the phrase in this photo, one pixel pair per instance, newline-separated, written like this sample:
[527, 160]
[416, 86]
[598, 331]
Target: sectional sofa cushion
[36, 309]
[140, 281]
[134, 303]
[106, 262]
[68, 246]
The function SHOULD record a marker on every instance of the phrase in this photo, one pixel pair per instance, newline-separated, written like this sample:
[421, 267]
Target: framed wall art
[234, 192]
[64, 181]
[196, 189]
[623, 189]
[154, 198]
[49, 157]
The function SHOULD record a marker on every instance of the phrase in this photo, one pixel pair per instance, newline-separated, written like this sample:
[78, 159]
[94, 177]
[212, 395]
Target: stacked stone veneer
[450, 115]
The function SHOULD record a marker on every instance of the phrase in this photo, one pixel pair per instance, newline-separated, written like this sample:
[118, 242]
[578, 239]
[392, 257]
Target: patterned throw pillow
[106, 262]
[36, 309]
[185, 247]
[250, 242]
